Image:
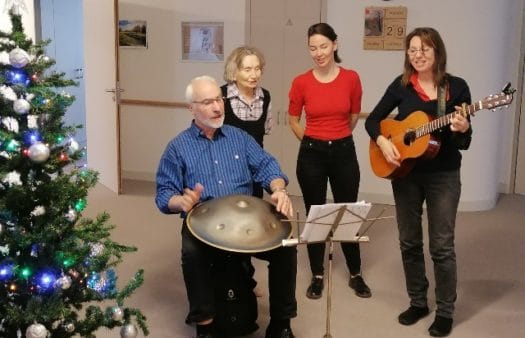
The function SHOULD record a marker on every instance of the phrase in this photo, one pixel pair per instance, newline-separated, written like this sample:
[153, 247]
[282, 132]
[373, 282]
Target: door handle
[115, 91]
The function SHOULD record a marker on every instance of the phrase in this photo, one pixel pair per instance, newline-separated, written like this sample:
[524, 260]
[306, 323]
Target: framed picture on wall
[133, 33]
[202, 41]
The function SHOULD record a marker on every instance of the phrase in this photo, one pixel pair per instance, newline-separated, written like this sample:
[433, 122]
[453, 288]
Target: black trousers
[335, 162]
[197, 262]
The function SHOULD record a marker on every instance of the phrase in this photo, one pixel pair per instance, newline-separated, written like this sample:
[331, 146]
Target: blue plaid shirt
[228, 164]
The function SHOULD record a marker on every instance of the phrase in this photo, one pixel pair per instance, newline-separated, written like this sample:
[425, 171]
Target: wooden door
[278, 28]
[102, 90]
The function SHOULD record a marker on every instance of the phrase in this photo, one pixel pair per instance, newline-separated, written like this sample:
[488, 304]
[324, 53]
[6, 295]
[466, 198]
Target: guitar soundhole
[410, 137]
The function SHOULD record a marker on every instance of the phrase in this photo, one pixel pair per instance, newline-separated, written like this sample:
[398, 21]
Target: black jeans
[197, 262]
[318, 163]
[441, 192]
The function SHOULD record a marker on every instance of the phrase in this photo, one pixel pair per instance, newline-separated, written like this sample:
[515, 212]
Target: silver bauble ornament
[117, 314]
[69, 327]
[71, 215]
[96, 249]
[18, 58]
[128, 331]
[38, 152]
[72, 147]
[64, 282]
[36, 331]
[21, 106]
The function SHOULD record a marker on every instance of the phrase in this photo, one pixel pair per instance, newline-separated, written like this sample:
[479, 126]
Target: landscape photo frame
[133, 33]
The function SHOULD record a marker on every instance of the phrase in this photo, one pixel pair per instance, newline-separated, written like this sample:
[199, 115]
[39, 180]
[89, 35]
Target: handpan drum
[239, 223]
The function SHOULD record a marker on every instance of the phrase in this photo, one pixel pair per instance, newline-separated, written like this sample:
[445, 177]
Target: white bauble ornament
[129, 331]
[69, 327]
[21, 106]
[72, 146]
[38, 152]
[71, 215]
[96, 249]
[18, 58]
[36, 331]
[117, 313]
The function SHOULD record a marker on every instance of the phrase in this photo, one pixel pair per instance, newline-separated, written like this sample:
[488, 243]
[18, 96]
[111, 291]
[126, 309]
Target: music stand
[334, 222]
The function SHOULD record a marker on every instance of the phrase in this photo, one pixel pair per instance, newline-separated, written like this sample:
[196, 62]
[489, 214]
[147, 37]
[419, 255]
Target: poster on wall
[132, 33]
[385, 28]
[202, 41]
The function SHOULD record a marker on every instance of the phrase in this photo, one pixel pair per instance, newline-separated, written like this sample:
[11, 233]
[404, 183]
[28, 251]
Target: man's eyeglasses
[209, 102]
[423, 51]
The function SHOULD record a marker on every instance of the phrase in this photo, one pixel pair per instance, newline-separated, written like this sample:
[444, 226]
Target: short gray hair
[189, 87]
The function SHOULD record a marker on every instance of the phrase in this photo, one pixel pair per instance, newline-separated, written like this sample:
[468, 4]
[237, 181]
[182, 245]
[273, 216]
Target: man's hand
[187, 200]
[282, 201]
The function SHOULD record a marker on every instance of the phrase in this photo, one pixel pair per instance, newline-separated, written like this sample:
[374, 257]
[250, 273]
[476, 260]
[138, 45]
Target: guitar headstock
[499, 100]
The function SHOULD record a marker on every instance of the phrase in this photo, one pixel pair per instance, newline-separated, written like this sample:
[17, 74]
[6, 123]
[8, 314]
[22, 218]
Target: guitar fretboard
[491, 102]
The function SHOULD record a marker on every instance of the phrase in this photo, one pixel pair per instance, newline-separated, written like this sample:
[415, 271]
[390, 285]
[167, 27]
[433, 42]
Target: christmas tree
[57, 276]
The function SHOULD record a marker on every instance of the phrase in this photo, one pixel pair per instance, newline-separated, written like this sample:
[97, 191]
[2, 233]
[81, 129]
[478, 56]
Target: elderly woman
[247, 104]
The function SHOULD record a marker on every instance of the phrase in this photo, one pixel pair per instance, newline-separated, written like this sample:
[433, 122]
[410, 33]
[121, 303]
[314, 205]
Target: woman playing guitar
[432, 179]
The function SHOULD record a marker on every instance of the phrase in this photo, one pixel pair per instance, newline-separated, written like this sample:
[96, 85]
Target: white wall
[158, 73]
[483, 45]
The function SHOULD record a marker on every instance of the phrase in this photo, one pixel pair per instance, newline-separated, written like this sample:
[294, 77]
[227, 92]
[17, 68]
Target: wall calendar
[385, 28]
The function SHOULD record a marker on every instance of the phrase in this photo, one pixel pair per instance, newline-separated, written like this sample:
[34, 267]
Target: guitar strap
[441, 101]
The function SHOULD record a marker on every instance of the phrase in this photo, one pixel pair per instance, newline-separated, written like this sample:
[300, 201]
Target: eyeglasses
[209, 102]
[423, 51]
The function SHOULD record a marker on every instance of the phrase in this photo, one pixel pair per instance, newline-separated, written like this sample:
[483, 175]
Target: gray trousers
[441, 192]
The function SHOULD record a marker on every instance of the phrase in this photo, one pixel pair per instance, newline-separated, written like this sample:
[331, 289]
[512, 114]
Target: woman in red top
[330, 97]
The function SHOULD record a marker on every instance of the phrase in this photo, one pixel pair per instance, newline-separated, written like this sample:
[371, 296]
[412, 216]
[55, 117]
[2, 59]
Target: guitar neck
[445, 120]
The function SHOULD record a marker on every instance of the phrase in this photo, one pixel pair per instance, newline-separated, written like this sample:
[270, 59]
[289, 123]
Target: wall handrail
[178, 104]
[169, 104]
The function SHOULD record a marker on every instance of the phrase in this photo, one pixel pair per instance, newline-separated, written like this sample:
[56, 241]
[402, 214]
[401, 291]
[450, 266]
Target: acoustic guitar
[413, 139]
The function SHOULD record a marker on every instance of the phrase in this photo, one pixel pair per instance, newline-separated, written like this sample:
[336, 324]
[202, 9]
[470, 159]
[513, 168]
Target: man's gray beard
[208, 123]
